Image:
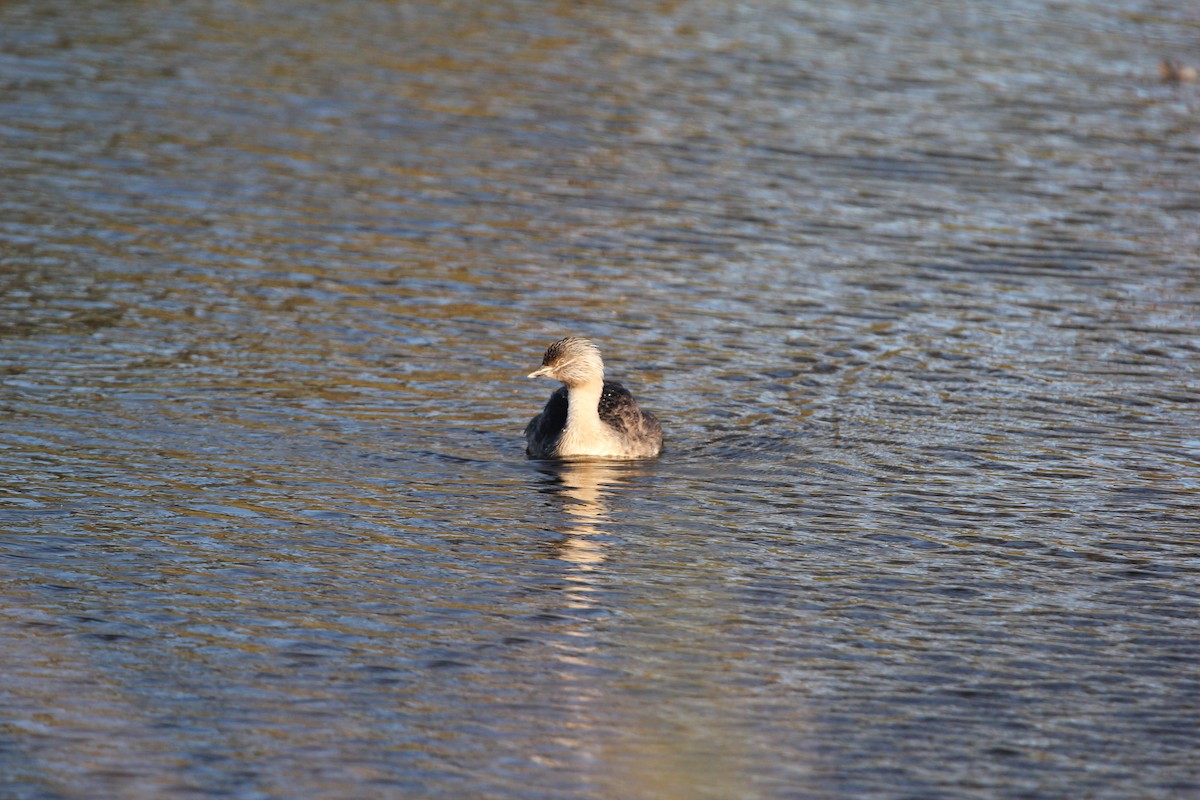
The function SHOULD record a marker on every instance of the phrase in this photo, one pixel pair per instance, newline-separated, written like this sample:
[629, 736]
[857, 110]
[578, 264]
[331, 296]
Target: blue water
[913, 288]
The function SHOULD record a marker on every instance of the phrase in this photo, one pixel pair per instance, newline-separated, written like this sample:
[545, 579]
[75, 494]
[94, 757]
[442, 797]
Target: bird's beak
[541, 372]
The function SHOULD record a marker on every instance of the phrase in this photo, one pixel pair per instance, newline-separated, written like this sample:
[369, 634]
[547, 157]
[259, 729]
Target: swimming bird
[588, 416]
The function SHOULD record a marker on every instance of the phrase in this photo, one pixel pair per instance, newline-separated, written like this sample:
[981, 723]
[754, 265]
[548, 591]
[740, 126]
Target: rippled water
[914, 288]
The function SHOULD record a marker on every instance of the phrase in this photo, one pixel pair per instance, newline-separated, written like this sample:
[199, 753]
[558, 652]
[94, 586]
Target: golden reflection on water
[586, 484]
[658, 751]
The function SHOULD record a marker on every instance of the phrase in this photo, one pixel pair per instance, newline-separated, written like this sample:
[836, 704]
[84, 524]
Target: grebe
[588, 416]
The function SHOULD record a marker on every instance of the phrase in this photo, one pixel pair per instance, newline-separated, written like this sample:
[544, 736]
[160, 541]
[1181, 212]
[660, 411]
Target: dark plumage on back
[619, 410]
[548, 425]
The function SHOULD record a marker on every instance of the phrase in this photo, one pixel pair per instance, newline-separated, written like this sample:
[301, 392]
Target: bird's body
[588, 416]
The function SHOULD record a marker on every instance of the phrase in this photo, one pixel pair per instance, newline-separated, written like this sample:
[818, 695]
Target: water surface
[913, 288]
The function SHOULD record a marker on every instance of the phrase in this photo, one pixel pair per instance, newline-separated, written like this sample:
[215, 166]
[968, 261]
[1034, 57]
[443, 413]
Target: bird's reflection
[585, 486]
[618, 750]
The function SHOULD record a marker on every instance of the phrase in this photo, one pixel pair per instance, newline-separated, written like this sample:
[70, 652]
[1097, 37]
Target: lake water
[914, 288]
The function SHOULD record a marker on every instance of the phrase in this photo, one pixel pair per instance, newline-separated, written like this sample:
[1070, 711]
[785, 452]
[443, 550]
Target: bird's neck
[585, 434]
[583, 403]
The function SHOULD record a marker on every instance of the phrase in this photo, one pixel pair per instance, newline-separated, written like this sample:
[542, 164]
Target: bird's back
[638, 429]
